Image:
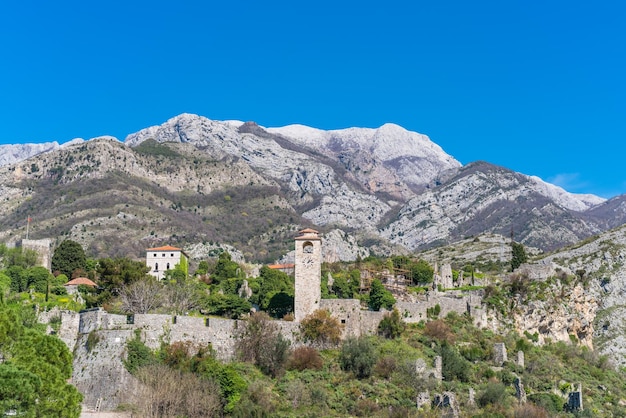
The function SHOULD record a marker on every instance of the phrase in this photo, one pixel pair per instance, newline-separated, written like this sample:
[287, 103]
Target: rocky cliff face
[193, 180]
[601, 262]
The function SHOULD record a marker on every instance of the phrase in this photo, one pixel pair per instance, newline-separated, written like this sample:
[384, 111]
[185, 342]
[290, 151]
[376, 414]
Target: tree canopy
[68, 257]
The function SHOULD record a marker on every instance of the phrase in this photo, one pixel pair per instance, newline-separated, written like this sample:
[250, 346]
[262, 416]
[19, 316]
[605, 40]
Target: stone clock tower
[308, 273]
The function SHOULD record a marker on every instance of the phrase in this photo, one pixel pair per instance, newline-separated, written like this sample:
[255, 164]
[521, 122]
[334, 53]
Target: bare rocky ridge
[194, 180]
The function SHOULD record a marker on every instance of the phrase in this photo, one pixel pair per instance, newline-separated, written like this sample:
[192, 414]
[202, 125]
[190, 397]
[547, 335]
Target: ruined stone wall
[459, 302]
[99, 372]
[356, 320]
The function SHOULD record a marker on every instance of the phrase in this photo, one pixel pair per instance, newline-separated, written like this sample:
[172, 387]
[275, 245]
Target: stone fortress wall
[99, 372]
[98, 339]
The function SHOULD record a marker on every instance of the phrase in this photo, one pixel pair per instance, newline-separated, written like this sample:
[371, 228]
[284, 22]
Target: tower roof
[307, 234]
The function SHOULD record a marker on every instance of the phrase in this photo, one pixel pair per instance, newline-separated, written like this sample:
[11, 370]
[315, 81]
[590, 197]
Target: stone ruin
[448, 403]
[499, 354]
[575, 400]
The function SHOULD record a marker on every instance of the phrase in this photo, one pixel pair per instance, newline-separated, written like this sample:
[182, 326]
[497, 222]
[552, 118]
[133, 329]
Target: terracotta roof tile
[80, 280]
[164, 248]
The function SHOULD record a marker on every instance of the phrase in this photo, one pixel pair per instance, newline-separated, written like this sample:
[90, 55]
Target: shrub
[493, 394]
[321, 329]
[173, 393]
[261, 343]
[385, 366]
[92, 340]
[548, 401]
[137, 354]
[392, 325]
[454, 366]
[305, 358]
[530, 411]
[357, 356]
[439, 330]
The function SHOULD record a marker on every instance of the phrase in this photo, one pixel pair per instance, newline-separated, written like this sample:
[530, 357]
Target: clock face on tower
[307, 262]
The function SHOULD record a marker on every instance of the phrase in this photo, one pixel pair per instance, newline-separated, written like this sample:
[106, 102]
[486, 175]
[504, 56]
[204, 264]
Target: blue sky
[538, 87]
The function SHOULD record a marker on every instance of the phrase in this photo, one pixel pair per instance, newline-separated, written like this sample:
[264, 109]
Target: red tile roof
[281, 266]
[80, 280]
[164, 248]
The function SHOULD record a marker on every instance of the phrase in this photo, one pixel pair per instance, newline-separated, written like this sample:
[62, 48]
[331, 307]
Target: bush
[493, 394]
[137, 354]
[454, 366]
[530, 411]
[321, 329]
[261, 343]
[548, 401]
[391, 326]
[305, 358]
[439, 330]
[385, 367]
[380, 297]
[357, 356]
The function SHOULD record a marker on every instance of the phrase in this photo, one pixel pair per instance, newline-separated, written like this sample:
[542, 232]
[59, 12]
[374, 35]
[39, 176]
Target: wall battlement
[99, 372]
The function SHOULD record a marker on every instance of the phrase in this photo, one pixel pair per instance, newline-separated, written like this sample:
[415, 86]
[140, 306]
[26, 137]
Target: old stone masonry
[98, 339]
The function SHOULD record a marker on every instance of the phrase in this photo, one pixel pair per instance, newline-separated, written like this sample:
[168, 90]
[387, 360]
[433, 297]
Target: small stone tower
[308, 273]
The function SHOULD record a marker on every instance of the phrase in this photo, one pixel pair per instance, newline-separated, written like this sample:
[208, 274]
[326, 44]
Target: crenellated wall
[98, 339]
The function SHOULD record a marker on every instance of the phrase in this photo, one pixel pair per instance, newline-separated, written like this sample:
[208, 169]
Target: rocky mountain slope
[193, 180]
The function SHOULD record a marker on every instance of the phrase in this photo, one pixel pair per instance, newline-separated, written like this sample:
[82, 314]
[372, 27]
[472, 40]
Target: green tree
[68, 257]
[392, 325]
[260, 342]
[203, 268]
[321, 329]
[454, 366]
[272, 282]
[48, 358]
[38, 278]
[114, 273]
[422, 272]
[519, 256]
[19, 390]
[177, 274]
[225, 268]
[380, 297]
[19, 278]
[228, 305]
[5, 286]
[358, 356]
[280, 304]
[18, 256]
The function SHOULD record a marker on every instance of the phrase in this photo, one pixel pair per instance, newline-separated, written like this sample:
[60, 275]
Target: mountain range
[196, 182]
[207, 185]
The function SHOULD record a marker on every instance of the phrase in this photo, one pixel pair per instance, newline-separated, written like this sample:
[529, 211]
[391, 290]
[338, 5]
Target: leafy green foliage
[261, 343]
[380, 297]
[321, 329]
[19, 391]
[454, 366]
[36, 370]
[272, 282]
[228, 305]
[138, 354]
[519, 256]
[392, 325]
[68, 257]
[225, 268]
[17, 256]
[493, 394]
[358, 356]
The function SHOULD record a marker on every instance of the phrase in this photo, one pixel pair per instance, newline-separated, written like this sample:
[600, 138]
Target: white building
[162, 259]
